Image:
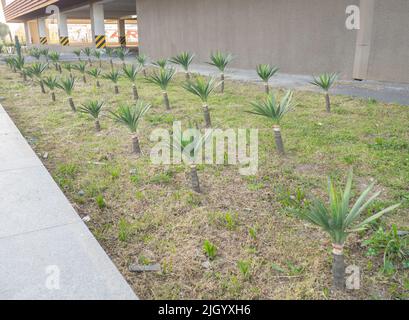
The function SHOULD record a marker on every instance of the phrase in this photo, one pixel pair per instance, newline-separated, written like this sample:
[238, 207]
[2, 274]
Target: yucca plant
[36, 70]
[220, 60]
[97, 53]
[67, 85]
[143, 62]
[266, 72]
[202, 89]
[122, 53]
[113, 75]
[325, 81]
[51, 83]
[78, 54]
[44, 52]
[88, 53]
[184, 60]
[131, 73]
[35, 53]
[110, 53]
[19, 64]
[160, 63]
[275, 111]
[190, 149]
[162, 79]
[68, 67]
[55, 59]
[131, 116]
[96, 74]
[339, 219]
[93, 108]
[82, 68]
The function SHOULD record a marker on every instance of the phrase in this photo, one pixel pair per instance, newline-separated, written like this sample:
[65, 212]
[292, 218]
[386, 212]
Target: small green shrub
[209, 249]
[100, 201]
[124, 230]
[244, 267]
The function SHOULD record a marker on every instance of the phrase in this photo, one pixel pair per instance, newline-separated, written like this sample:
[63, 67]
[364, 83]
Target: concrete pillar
[98, 25]
[363, 41]
[27, 33]
[42, 31]
[121, 33]
[63, 30]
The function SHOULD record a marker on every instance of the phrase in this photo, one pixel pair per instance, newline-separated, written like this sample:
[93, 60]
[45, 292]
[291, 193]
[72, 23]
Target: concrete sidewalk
[46, 251]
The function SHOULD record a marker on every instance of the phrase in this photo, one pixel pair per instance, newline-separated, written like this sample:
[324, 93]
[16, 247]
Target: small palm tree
[325, 81]
[131, 117]
[35, 53]
[78, 54]
[143, 62]
[68, 67]
[113, 75]
[184, 60]
[44, 52]
[19, 64]
[93, 108]
[339, 220]
[161, 63]
[82, 68]
[110, 53]
[36, 70]
[220, 61]
[162, 79]
[98, 54]
[51, 83]
[266, 72]
[55, 59]
[96, 74]
[88, 53]
[190, 149]
[202, 89]
[122, 53]
[67, 85]
[275, 111]
[131, 73]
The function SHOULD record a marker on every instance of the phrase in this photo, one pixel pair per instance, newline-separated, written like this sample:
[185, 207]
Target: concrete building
[299, 36]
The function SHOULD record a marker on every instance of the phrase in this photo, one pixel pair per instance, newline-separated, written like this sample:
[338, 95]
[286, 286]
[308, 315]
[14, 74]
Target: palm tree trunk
[267, 88]
[53, 96]
[84, 78]
[135, 92]
[116, 89]
[42, 86]
[166, 100]
[97, 125]
[56, 67]
[100, 63]
[24, 77]
[222, 85]
[144, 72]
[136, 149]
[59, 68]
[112, 63]
[206, 114]
[187, 74]
[72, 105]
[338, 267]
[327, 102]
[194, 179]
[98, 84]
[278, 139]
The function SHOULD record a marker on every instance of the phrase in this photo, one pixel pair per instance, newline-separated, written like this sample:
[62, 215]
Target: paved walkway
[46, 251]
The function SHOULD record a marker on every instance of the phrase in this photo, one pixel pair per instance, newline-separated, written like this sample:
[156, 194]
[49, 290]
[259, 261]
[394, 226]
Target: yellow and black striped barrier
[43, 40]
[100, 42]
[122, 41]
[64, 41]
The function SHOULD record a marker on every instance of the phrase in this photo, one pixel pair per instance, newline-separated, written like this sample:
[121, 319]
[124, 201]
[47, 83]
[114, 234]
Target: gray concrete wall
[297, 35]
[389, 54]
[300, 36]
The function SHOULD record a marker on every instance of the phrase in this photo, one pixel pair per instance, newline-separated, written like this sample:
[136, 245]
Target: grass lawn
[148, 214]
